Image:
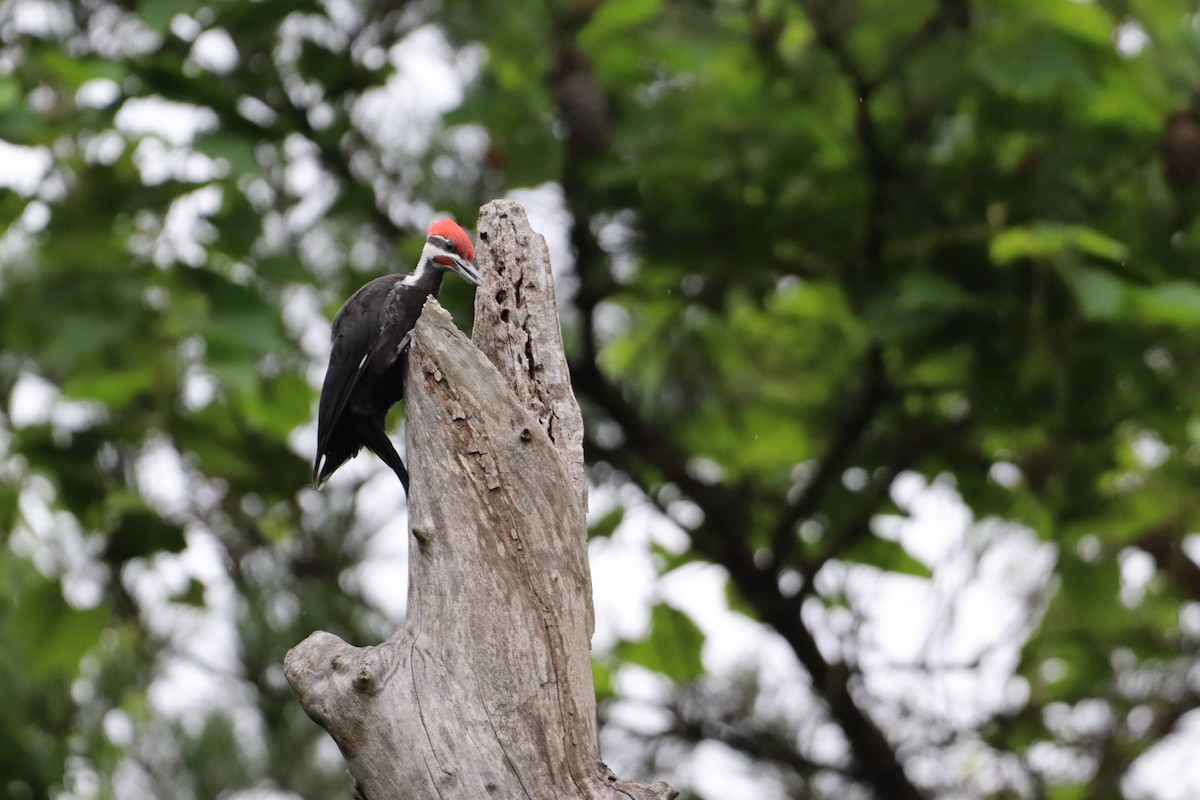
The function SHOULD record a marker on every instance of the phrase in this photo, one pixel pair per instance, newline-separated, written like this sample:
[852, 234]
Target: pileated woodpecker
[366, 365]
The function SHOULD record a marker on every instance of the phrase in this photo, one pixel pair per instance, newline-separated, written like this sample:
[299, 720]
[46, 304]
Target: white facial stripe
[428, 252]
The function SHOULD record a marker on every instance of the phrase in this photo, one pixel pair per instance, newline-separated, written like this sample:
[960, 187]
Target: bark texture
[516, 327]
[486, 689]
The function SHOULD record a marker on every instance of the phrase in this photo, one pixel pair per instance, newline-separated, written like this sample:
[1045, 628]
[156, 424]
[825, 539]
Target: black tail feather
[338, 452]
[377, 441]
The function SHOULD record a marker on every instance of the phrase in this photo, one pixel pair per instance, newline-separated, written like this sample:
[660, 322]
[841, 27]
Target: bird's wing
[353, 343]
[347, 363]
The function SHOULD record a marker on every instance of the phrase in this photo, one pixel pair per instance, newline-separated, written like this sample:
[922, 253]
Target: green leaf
[616, 17]
[1173, 303]
[193, 595]
[1100, 294]
[141, 532]
[157, 14]
[10, 94]
[607, 524]
[74, 71]
[274, 405]
[53, 635]
[1094, 589]
[113, 388]
[1083, 21]
[672, 647]
[918, 301]
[235, 149]
[1034, 63]
[602, 680]
[887, 555]
[1049, 240]
[9, 497]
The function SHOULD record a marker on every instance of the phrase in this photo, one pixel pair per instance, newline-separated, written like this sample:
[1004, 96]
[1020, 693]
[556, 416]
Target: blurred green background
[884, 318]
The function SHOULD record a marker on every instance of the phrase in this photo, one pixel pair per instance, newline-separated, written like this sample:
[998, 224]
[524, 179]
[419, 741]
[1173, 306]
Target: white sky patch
[31, 401]
[162, 479]
[14, 244]
[611, 321]
[215, 51]
[23, 169]
[190, 689]
[623, 577]
[40, 18]
[306, 322]
[97, 93]
[950, 644]
[199, 674]
[383, 568]
[56, 544]
[1168, 771]
[429, 79]
[36, 401]
[1137, 569]
[185, 27]
[118, 727]
[343, 13]
[1191, 547]
[176, 123]
[469, 144]
[303, 440]
[935, 506]
[1149, 450]
[256, 111]
[306, 180]
[261, 793]
[158, 162]
[1006, 474]
[186, 229]
[1131, 38]
[733, 643]
[720, 772]
[199, 388]
[548, 215]
[105, 147]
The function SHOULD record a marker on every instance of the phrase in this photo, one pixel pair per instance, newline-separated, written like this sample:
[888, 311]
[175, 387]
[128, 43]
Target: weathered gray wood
[516, 327]
[486, 689]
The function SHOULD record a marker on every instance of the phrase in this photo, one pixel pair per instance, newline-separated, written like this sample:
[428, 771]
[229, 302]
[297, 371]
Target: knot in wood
[364, 682]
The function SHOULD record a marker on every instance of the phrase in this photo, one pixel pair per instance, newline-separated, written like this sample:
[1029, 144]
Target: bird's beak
[465, 270]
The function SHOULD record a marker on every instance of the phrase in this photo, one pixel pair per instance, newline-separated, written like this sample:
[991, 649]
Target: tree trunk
[486, 688]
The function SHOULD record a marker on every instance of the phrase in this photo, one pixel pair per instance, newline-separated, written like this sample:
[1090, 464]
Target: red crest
[449, 229]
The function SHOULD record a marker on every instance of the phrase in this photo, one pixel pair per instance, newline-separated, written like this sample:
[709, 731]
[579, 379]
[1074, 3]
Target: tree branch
[722, 539]
[876, 165]
[854, 426]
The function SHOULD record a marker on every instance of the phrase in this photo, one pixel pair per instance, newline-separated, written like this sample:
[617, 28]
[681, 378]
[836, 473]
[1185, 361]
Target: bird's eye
[443, 243]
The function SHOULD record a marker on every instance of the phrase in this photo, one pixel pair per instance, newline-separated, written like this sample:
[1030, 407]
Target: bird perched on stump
[366, 365]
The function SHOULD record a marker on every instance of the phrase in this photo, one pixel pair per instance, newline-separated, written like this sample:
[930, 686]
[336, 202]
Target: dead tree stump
[485, 690]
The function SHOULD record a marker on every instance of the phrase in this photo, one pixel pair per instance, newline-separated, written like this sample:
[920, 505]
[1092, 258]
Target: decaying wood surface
[516, 327]
[485, 690]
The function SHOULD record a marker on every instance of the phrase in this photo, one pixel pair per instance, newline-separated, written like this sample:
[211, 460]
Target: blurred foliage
[818, 246]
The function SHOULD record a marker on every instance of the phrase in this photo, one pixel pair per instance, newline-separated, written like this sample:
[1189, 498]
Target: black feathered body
[366, 369]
